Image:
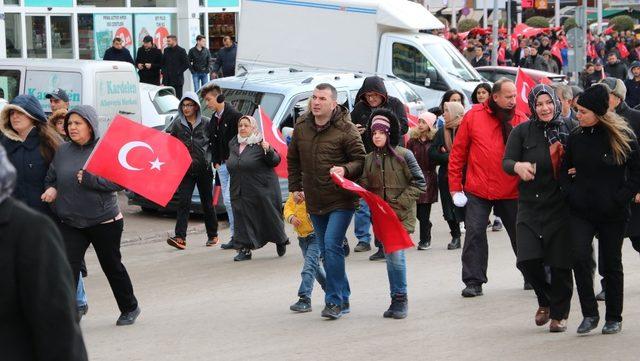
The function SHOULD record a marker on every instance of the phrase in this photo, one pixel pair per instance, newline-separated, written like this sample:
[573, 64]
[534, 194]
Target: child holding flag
[392, 173]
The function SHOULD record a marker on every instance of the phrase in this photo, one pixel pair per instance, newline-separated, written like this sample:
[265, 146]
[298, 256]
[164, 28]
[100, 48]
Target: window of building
[221, 25]
[102, 3]
[153, 3]
[61, 44]
[12, 2]
[13, 35]
[85, 37]
[37, 42]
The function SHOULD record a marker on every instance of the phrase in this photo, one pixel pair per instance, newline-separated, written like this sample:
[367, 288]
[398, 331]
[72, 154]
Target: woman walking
[393, 173]
[601, 175]
[87, 206]
[421, 138]
[439, 153]
[533, 152]
[255, 191]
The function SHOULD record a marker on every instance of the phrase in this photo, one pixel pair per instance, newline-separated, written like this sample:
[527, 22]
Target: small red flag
[142, 159]
[386, 225]
[276, 141]
[624, 52]
[524, 84]
[555, 51]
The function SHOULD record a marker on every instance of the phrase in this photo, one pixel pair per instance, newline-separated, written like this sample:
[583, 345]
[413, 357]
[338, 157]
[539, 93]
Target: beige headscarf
[256, 135]
[456, 112]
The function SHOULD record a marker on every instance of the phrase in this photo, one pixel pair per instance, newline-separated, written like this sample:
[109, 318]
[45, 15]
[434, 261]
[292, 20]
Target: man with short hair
[199, 62]
[117, 52]
[226, 59]
[174, 63]
[478, 58]
[615, 68]
[633, 85]
[58, 99]
[223, 128]
[149, 62]
[325, 141]
[478, 150]
[535, 61]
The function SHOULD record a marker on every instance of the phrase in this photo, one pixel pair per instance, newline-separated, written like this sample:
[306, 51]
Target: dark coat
[475, 62]
[313, 152]
[361, 112]
[632, 117]
[436, 154]
[174, 64]
[421, 151]
[536, 62]
[633, 92]
[616, 70]
[222, 131]
[199, 60]
[151, 56]
[37, 302]
[255, 196]
[196, 138]
[542, 227]
[114, 54]
[226, 61]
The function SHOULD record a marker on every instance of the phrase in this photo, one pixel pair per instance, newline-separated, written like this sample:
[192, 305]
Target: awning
[606, 14]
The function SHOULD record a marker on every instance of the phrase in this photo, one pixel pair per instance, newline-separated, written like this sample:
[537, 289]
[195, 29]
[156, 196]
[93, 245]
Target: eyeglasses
[188, 105]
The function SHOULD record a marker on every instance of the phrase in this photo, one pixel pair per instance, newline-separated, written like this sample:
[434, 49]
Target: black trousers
[475, 252]
[423, 213]
[610, 236]
[106, 242]
[557, 295]
[204, 182]
[454, 229]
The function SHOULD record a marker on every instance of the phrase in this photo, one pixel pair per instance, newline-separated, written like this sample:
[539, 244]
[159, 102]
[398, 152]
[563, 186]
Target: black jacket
[601, 190]
[536, 62]
[222, 131]
[617, 70]
[196, 138]
[151, 56]
[114, 54]
[37, 301]
[633, 92]
[362, 110]
[632, 116]
[199, 60]
[226, 61]
[174, 64]
[475, 62]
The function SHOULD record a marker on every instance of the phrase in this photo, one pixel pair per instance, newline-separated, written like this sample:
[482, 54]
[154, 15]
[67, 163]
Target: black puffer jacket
[361, 112]
[197, 138]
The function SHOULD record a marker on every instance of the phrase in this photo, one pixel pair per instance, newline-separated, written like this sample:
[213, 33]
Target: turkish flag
[275, 139]
[142, 159]
[624, 52]
[555, 51]
[524, 84]
[386, 225]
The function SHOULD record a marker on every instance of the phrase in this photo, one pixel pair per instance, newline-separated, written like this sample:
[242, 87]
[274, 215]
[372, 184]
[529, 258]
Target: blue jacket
[226, 61]
[114, 54]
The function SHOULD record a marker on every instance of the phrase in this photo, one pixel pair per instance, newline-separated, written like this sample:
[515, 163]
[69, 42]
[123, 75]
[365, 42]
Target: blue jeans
[199, 79]
[397, 272]
[225, 180]
[362, 222]
[81, 296]
[330, 229]
[311, 269]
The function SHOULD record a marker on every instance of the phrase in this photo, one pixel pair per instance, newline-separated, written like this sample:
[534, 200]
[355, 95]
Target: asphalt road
[198, 304]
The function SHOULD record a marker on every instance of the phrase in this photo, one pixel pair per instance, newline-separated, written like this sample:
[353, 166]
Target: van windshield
[451, 61]
[247, 102]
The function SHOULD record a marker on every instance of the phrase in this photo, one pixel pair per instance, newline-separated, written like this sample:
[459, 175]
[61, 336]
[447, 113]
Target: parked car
[284, 95]
[159, 105]
[493, 73]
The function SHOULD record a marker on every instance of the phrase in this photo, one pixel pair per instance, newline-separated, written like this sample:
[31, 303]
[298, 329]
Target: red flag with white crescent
[386, 225]
[524, 84]
[142, 159]
[274, 137]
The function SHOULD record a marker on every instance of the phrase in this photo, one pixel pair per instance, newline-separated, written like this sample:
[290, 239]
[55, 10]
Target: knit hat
[596, 99]
[381, 123]
[616, 87]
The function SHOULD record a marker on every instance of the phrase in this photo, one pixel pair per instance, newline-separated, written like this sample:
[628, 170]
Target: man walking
[199, 59]
[478, 148]
[615, 68]
[174, 64]
[226, 59]
[633, 85]
[223, 128]
[148, 62]
[192, 129]
[325, 141]
[117, 52]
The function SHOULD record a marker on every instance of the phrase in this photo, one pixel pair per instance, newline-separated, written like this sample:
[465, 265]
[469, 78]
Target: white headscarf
[255, 137]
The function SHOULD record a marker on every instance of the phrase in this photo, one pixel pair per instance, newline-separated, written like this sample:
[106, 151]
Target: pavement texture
[198, 304]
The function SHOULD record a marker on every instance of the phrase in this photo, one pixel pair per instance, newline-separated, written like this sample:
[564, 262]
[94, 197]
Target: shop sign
[109, 26]
[222, 3]
[156, 25]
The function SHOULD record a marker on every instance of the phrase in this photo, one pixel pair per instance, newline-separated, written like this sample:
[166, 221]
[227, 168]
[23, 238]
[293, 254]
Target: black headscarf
[555, 130]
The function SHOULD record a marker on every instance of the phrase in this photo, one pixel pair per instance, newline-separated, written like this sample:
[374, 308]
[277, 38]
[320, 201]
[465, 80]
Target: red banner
[386, 225]
[275, 139]
[524, 84]
[144, 160]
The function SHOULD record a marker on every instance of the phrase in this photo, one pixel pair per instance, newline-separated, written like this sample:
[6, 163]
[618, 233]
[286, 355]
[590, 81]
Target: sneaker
[362, 247]
[243, 255]
[332, 311]
[497, 225]
[212, 241]
[228, 245]
[379, 255]
[345, 247]
[345, 308]
[303, 305]
[177, 242]
[611, 327]
[472, 291]
[281, 249]
[454, 244]
[398, 308]
[423, 245]
[128, 318]
[82, 310]
[601, 296]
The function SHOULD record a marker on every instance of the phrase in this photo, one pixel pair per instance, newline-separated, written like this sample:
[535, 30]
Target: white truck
[367, 36]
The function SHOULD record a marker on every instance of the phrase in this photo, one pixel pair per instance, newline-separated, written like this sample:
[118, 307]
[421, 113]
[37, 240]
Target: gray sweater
[91, 202]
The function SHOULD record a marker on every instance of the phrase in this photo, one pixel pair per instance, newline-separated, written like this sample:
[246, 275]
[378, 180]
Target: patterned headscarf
[555, 130]
[7, 176]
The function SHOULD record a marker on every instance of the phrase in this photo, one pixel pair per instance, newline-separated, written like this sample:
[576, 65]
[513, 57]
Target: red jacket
[478, 148]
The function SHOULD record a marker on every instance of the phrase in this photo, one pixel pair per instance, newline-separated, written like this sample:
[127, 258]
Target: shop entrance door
[49, 36]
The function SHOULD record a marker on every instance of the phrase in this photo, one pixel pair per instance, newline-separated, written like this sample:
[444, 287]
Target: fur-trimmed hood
[27, 104]
[414, 133]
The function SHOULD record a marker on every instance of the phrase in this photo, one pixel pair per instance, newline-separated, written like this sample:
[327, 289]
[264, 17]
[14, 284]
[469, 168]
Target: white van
[370, 36]
[111, 87]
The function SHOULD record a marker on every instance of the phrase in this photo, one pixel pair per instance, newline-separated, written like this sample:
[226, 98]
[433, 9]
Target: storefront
[83, 29]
